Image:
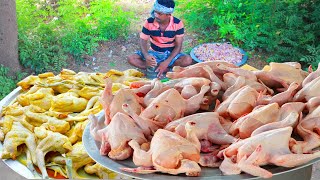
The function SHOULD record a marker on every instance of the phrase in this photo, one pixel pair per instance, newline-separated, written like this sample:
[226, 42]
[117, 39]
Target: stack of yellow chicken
[43, 126]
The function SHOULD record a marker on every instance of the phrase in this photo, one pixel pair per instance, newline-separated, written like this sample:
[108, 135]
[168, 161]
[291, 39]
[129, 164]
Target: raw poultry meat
[280, 98]
[37, 96]
[281, 75]
[185, 71]
[234, 82]
[113, 104]
[17, 136]
[168, 153]
[115, 137]
[237, 71]
[49, 141]
[309, 90]
[170, 105]
[289, 115]
[239, 103]
[156, 88]
[311, 76]
[207, 70]
[245, 125]
[207, 127]
[266, 148]
[79, 158]
[147, 126]
[309, 129]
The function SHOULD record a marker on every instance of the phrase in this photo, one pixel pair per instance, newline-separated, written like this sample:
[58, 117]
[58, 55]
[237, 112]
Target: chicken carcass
[245, 125]
[280, 98]
[234, 82]
[309, 129]
[17, 136]
[289, 115]
[115, 136]
[207, 127]
[271, 147]
[170, 105]
[281, 75]
[239, 103]
[49, 141]
[113, 104]
[308, 91]
[207, 70]
[168, 153]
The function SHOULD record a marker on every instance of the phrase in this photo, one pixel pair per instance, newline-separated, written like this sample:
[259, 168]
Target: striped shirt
[162, 41]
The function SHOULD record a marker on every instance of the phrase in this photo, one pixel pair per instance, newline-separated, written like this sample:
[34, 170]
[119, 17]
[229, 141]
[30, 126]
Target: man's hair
[167, 3]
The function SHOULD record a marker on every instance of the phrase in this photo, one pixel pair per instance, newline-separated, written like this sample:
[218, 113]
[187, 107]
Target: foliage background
[286, 30]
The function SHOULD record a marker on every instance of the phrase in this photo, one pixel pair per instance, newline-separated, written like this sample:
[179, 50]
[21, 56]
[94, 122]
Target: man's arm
[177, 49]
[150, 60]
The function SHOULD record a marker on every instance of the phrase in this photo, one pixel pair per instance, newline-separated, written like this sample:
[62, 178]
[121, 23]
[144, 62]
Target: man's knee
[188, 60]
[184, 61]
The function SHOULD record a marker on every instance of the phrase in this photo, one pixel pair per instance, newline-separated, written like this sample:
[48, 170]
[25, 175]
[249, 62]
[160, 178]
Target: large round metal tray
[242, 62]
[92, 148]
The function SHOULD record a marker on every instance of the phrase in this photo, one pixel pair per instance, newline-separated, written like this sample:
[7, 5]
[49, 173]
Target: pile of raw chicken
[45, 122]
[214, 114]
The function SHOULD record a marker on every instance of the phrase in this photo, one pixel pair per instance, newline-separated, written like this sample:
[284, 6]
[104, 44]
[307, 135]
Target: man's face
[161, 17]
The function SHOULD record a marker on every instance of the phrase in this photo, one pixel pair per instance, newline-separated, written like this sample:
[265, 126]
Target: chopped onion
[218, 51]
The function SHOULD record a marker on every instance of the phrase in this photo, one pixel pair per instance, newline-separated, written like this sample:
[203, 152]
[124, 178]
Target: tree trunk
[9, 35]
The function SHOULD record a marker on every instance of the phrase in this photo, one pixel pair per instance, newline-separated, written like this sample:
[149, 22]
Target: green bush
[7, 82]
[285, 30]
[48, 33]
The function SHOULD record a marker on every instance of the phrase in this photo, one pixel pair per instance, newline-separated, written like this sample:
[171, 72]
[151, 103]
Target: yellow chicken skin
[41, 97]
[29, 81]
[101, 172]
[79, 158]
[17, 110]
[61, 86]
[32, 80]
[49, 141]
[55, 109]
[75, 133]
[68, 102]
[88, 92]
[50, 123]
[17, 136]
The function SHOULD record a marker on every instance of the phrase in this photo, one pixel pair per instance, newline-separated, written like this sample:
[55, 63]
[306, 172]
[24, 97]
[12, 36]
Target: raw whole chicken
[309, 129]
[281, 75]
[289, 115]
[114, 137]
[270, 147]
[280, 98]
[207, 127]
[49, 141]
[244, 126]
[308, 91]
[234, 82]
[113, 104]
[168, 153]
[239, 103]
[207, 70]
[170, 105]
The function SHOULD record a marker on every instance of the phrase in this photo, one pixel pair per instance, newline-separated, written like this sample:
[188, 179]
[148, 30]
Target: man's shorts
[161, 56]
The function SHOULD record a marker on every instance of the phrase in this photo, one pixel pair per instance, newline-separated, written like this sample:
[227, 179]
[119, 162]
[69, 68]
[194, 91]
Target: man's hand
[151, 61]
[162, 68]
